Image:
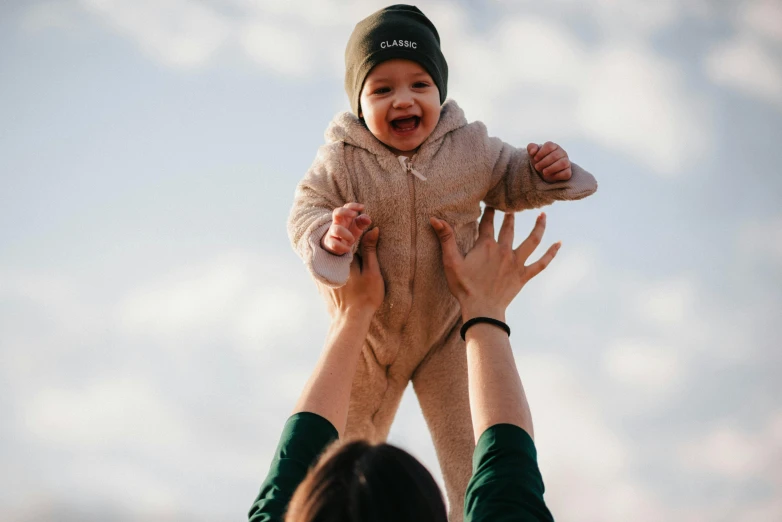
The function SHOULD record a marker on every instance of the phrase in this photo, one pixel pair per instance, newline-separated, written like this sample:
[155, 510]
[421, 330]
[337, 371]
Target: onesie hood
[348, 128]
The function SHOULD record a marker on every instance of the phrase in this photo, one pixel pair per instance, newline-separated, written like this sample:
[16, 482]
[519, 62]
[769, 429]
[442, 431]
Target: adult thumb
[451, 253]
[369, 250]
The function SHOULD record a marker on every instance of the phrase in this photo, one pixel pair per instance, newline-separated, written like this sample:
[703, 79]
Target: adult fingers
[369, 250]
[540, 265]
[529, 245]
[451, 254]
[546, 149]
[549, 160]
[507, 229]
[486, 228]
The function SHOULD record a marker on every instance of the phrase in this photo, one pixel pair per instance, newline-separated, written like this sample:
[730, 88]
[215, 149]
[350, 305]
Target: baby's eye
[420, 85]
[381, 90]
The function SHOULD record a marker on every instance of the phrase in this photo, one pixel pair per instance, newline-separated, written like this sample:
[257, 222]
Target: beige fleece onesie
[415, 334]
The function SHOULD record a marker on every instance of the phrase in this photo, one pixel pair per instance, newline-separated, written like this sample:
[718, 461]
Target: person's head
[362, 482]
[396, 77]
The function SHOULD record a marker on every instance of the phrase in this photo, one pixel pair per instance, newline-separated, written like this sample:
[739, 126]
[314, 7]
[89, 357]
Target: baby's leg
[440, 383]
[374, 399]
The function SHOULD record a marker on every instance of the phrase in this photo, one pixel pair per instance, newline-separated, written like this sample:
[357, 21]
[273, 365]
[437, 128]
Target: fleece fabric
[415, 333]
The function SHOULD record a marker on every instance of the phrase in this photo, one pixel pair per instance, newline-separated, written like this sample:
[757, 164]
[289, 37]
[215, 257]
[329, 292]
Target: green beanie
[398, 31]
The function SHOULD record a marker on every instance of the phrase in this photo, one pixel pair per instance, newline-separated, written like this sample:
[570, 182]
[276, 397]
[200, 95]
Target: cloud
[654, 369]
[665, 302]
[530, 76]
[249, 300]
[573, 271]
[763, 17]
[744, 63]
[582, 459]
[734, 455]
[635, 101]
[179, 33]
[115, 412]
[277, 49]
[294, 40]
[749, 60]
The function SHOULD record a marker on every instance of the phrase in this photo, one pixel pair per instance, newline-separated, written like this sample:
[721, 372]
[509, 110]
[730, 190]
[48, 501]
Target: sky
[156, 326]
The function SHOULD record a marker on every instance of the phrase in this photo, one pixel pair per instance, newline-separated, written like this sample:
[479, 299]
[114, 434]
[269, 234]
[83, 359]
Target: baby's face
[400, 104]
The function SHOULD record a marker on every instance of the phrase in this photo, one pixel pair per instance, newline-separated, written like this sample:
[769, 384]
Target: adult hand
[365, 289]
[489, 277]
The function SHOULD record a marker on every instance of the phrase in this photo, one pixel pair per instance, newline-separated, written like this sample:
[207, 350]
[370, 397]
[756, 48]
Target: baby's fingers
[550, 160]
[562, 175]
[545, 150]
[343, 216]
[342, 233]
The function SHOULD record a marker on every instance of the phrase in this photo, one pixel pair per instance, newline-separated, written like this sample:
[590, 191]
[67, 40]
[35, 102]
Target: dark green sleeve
[506, 483]
[303, 439]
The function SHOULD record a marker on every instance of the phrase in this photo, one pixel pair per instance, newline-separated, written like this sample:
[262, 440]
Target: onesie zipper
[413, 223]
[407, 164]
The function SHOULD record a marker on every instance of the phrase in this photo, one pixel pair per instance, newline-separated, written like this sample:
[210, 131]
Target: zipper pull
[411, 170]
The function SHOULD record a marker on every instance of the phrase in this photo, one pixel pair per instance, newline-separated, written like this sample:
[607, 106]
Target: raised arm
[521, 181]
[320, 197]
[320, 414]
[485, 282]
[327, 392]
[506, 485]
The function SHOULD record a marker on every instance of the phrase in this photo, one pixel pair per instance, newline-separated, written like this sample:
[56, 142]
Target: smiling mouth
[405, 125]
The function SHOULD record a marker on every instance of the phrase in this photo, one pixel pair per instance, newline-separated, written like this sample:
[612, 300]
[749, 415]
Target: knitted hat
[398, 31]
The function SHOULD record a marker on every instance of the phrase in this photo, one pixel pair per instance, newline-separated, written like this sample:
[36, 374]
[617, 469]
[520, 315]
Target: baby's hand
[347, 225]
[551, 161]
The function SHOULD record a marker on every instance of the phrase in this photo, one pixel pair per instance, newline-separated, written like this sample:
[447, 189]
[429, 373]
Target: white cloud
[736, 453]
[118, 412]
[666, 302]
[582, 459]
[533, 77]
[247, 299]
[278, 49]
[653, 368]
[745, 64]
[573, 270]
[634, 101]
[763, 17]
[179, 33]
[530, 76]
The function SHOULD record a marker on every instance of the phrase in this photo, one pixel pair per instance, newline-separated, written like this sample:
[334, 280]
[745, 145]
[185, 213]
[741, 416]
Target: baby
[403, 155]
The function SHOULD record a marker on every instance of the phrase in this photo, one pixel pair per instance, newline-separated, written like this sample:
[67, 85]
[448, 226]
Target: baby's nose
[403, 101]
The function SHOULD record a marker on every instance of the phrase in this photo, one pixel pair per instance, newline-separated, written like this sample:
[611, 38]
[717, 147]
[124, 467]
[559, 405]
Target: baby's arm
[321, 241]
[517, 185]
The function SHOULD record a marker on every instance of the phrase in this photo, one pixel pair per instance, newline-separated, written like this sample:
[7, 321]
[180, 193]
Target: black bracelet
[489, 320]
